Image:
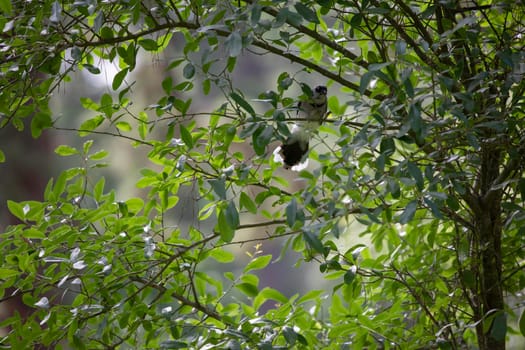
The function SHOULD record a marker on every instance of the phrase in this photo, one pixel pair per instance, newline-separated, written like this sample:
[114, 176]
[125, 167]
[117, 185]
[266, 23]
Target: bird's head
[319, 94]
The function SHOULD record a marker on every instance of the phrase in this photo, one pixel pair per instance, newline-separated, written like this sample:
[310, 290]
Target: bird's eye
[320, 90]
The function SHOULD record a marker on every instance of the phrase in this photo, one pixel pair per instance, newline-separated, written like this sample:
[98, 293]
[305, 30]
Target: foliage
[425, 152]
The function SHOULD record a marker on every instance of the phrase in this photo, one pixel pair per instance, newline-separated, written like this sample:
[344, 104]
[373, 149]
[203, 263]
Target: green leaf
[148, 44]
[123, 126]
[469, 278]
[2, 156]
[416, 174]
[87, 146]
[91, 68]
[258, 263]
[434, 207]
[408, 213]
[414, 116]
[64, 150]
[167, 85]
[206, 86]
[232, 215]
[188, 71]
[134, 205]
[40, 122]
[289, 335]
[248, 289]
[60, 185]
[306, 12]
[246, 202]
[98, 189]
[230, 65]
[90, 125]
[349, 276]
[291, 212]
[268, 294]
[242, 102]
[6, 7]
[175, 63]
[314, 242]
[88, 103]
[499, 327]
[129, 55]
[310, 295]
[16, 209]
[222, 255]
[106, 105]
[7, 273]
[233, 44]
[365, 81]
[225, 230]
[285, 81]
[143, 125]
[118, 78]
[105, 33]
[286, 15]
[219, 187]
[261, 138]
[99, 155]
[51, 65]
[33, 233]
[186, 137]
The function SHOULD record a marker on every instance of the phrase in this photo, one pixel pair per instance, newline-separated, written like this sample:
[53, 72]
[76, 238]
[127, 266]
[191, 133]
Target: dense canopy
[411, 206]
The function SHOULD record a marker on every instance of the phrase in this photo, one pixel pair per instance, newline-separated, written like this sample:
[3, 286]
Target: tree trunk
[486, 207]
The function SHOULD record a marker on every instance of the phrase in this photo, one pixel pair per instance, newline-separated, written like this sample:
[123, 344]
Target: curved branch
[318, 37]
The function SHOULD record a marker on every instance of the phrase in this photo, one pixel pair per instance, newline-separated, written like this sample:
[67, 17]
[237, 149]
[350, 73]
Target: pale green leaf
[65, 150]
[258, 263]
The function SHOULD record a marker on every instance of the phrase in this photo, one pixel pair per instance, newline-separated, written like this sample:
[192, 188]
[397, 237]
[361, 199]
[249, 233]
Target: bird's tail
[293, 153]
[294, 150]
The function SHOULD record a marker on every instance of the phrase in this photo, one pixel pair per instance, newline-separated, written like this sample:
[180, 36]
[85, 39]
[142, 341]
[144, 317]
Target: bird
[310, 114]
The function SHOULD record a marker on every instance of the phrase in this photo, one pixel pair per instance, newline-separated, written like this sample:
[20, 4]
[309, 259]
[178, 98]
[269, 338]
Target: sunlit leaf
[65, 150]
[123, 126]
[258, 263]
[222, 255]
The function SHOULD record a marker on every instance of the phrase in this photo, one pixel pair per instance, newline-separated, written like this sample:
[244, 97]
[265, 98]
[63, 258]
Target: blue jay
[311, 114]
